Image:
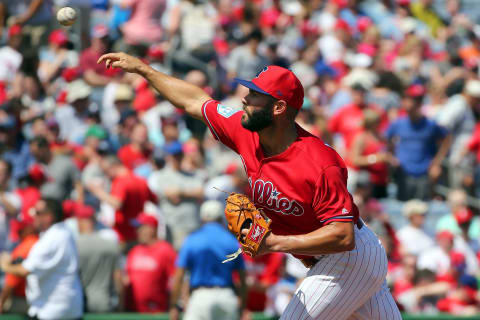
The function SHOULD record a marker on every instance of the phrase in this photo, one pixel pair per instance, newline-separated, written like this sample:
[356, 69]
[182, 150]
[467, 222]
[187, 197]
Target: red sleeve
[474, 141]
[224, 123]
[119, 190]
[151, 196]
[332, 201]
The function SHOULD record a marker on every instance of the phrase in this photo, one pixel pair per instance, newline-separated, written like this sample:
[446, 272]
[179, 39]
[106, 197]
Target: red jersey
[131, 157]
[149, 269]
[473, 144]
[348, 122]
[301, 189]
[88, 61]
[133, 192]
[29, 196]
[266, 270]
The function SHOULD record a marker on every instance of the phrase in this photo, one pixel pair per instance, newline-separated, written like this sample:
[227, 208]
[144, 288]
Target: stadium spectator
[127, 196]
[56, 57]
[99, 263]
[62, 176]
[457, 202]
[244, 61]
[122, 101]
[10, 57]
[438, 259]
[419, 159]
[458, 116]
[13, 292]
[347, 121]
[10, 205]
[150, 267]
[211, 281]
[413, 238]
[35, 16]
[54, 290]
[73, 118]
[262, 273]
[146, 15]
[94, 74]
[179, 192]
[369, 152]
[29, 193]
[138, 150]
[405, 55]
[234, 180]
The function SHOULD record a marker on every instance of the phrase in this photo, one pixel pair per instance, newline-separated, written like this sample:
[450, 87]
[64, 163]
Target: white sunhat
[413, 207]
[211, 210]
[77, 90]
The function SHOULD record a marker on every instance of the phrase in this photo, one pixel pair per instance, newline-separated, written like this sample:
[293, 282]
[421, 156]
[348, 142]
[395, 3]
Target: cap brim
[250, 85]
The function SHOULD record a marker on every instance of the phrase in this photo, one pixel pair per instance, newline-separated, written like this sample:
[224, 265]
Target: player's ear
[280, 107]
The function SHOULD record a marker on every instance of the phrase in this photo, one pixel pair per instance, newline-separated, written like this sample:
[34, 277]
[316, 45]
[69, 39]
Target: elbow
[346, 241]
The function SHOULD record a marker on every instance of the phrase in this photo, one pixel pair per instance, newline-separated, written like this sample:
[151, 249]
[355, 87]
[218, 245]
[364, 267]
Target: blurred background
[392, 85]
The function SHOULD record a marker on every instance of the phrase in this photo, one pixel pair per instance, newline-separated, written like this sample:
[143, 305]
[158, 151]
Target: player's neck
[277, 138]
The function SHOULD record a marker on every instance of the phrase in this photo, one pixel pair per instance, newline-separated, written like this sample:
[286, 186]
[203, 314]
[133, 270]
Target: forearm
[442, 151]
[180, 93]
[362, 161]
[243, 291]
[79, 190]
[16, 269]
[196, 194]
[332, 238]
[95, 79]
[104, 196]
[34, 6]
[6, 293]
[9, 208]
[176, 287]
[117, 280]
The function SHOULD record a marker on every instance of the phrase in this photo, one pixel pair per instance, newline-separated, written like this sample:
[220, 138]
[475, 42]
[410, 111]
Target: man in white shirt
[10, 56]
[53, 284]
[413, 238]
[437, 259]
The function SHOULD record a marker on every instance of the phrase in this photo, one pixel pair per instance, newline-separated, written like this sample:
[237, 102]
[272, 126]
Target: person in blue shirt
[212, 291]
[420, 145]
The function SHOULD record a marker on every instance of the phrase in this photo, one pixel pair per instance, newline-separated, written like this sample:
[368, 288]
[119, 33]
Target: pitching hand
[123, 61]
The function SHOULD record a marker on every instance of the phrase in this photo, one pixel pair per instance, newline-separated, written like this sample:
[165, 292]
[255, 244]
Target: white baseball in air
[66, 16]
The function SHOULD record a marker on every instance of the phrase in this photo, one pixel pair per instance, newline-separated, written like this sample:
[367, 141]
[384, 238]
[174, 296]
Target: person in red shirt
[127, 196]
[348, 120]
[150, 265]
[14, 288]
[138, 151]
[93, 74]
[370, 153]
[301, 185]
[262, 273]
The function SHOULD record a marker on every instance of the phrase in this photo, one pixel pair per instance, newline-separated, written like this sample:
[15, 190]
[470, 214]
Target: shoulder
[316, 153]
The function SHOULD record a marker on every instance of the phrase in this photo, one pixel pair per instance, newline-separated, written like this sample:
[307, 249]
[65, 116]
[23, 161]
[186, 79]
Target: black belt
[360, 224]
[311, 261]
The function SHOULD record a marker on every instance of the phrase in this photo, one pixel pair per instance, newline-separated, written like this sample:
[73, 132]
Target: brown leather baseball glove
[242, 214]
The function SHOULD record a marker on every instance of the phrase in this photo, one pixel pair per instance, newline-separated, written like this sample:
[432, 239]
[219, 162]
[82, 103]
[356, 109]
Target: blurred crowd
[96, 156]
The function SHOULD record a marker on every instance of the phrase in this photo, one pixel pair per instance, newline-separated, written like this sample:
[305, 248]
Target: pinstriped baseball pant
[346, 286]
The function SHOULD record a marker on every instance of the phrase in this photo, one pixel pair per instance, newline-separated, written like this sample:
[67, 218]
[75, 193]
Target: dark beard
[260, 119]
